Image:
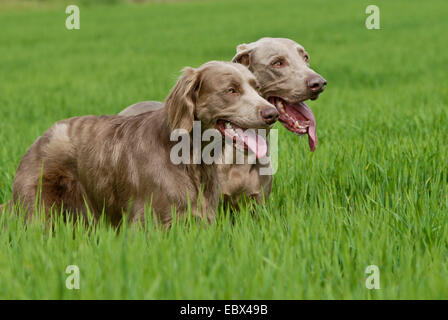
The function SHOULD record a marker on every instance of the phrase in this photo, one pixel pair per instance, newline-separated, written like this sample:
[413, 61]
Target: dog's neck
[204, 176]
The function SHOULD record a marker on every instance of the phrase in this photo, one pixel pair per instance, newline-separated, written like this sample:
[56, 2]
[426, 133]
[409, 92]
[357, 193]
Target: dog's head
[222, 95]
[282, 69]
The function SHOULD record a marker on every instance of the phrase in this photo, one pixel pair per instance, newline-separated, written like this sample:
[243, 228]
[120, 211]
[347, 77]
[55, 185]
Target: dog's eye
[231, 90]
[277, 63]
[306, 58]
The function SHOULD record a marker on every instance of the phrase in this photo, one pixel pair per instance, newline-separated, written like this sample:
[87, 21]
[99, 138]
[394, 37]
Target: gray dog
[121, 164]
[283, 71]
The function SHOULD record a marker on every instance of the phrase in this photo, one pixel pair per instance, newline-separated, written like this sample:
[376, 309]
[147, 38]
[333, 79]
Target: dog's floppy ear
[180, 103]
[242, 55]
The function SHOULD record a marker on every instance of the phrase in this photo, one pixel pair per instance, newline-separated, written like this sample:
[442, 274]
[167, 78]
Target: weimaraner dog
[282, 68]
[117, 164]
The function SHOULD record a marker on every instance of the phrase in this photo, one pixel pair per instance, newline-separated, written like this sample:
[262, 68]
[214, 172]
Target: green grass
[375, 192]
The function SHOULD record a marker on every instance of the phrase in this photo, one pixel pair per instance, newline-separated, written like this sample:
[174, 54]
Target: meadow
[375, 192]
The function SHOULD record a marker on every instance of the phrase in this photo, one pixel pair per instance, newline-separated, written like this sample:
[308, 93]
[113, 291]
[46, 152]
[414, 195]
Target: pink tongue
[254, 142]
[312, 137]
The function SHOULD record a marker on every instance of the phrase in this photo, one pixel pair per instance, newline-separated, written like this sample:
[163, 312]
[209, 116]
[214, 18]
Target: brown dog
[282, 69]
[120, 164]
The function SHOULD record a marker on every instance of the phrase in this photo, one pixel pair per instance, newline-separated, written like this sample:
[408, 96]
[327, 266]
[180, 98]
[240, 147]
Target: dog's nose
[316, 83]
[269, 114]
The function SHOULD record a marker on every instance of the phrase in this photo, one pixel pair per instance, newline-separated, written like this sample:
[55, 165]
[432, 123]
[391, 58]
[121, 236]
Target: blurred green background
[374, 192]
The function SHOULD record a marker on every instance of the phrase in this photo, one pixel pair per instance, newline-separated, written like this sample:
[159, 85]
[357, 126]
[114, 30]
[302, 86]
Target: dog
[282, 68]
[121, 164]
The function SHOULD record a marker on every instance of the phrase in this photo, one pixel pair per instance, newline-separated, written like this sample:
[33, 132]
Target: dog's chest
[204, 179]
[238, 179]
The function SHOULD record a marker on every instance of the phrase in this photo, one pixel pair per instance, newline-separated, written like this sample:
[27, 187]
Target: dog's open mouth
[297, 118]
[243, 139]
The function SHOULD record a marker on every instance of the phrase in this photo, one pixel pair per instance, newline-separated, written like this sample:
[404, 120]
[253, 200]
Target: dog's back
[50, 164]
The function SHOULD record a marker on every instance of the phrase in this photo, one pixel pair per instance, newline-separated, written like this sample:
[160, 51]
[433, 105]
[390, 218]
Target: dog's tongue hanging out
[244, 138]
[297, 118]
[254, 142]
[312, 136]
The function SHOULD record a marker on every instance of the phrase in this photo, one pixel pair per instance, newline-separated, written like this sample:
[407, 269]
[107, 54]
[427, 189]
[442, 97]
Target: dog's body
[110, 162]
[117, 164]
[281, 67]
[235, 180]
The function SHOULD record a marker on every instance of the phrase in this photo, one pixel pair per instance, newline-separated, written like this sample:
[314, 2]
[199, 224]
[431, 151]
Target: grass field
[375, 192]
